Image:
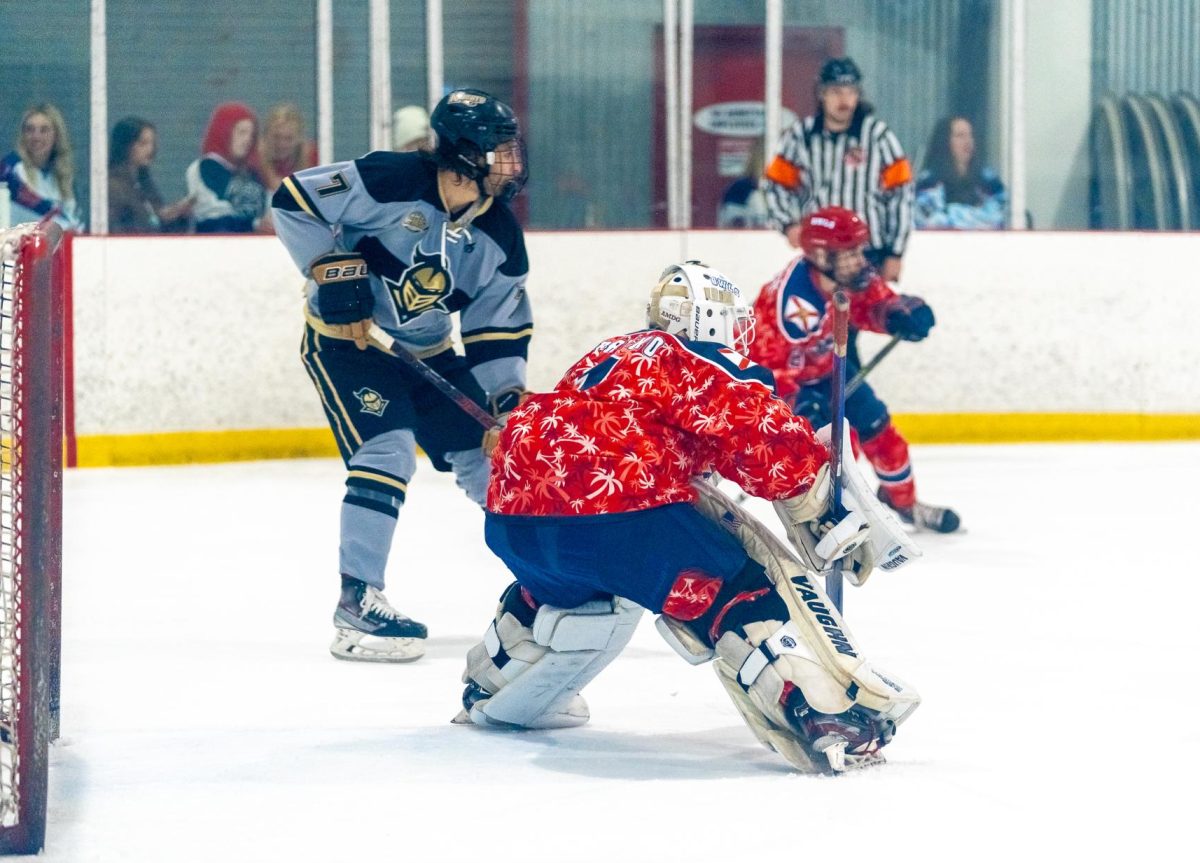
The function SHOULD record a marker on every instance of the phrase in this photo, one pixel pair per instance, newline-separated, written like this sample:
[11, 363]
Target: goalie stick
[379, 337]
[841, 320]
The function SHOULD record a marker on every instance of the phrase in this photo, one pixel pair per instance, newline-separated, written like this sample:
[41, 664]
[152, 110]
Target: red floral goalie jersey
[630, 425]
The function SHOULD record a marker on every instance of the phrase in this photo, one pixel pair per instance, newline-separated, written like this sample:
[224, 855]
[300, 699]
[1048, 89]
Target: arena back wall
[186, 349]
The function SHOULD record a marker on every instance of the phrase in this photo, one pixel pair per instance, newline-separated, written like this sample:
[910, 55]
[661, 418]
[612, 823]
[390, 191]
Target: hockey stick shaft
[841, 321]
[860, 376]
[380, 338]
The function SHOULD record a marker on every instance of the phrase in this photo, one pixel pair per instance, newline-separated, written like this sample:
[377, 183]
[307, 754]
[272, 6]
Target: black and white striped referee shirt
[863, 169]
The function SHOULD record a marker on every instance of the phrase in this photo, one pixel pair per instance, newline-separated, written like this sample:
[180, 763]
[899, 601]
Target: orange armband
[783, 172]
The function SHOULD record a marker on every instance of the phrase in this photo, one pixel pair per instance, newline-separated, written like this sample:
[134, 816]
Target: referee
[843, 156]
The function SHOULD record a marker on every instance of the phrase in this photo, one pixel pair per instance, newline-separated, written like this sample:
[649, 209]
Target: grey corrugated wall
[1144, 46]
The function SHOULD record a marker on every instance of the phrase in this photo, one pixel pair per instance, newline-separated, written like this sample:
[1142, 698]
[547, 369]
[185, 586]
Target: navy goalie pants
[567, 560]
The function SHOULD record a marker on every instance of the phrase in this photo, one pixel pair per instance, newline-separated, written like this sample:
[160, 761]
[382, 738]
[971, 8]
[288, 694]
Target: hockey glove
[818, 536]
[344, 298]
[502, 404]
[810, 505]
[909, 318]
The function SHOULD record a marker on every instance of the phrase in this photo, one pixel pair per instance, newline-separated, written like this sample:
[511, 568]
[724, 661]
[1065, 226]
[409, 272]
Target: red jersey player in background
[794, 338]
[595, 507]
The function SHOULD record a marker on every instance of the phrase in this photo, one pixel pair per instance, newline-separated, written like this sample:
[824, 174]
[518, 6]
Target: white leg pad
[814, 650]
[548, 665]
[769, 731]
[682, 640]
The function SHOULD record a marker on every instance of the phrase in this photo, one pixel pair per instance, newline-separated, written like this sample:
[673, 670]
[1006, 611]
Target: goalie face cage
[31, 435]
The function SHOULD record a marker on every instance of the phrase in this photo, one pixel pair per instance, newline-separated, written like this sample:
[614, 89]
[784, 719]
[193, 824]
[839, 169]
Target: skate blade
[354, 646]
[833, 748]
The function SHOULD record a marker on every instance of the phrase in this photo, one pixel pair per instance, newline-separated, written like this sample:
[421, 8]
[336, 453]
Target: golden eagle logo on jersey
[423, 286]
[372, 402]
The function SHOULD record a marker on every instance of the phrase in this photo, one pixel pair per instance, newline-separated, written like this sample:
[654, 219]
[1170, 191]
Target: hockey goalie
[598, 507]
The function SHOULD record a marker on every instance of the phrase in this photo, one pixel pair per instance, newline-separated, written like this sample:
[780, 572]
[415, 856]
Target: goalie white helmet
[699, 303]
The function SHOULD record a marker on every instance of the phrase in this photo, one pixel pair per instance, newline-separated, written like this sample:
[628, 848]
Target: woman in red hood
[230, 196]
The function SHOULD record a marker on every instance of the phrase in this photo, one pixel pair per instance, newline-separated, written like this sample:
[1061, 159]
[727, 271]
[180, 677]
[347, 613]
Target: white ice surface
[1055, 645]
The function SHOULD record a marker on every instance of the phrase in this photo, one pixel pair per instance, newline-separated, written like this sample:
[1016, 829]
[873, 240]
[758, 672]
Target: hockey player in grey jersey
[404, 241]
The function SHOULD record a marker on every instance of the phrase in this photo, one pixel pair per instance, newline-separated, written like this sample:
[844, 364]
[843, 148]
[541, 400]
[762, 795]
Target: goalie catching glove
[867, 534]
[344, 298]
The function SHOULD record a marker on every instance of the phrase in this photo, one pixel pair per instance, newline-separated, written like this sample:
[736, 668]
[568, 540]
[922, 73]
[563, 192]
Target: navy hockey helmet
[478, 136]
[838, 71]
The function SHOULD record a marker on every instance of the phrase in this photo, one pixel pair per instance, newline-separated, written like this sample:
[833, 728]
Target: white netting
[10, 582]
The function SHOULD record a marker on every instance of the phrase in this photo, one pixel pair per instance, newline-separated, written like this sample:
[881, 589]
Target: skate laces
[374, 602]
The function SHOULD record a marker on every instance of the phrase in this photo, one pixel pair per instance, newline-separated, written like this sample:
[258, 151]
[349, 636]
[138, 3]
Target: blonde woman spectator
[135, 205]
[40, 172]
[229, 195]
[410, 129]
[283, 149]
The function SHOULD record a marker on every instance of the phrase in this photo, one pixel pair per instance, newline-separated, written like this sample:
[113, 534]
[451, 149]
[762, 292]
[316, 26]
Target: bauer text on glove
[344, 298]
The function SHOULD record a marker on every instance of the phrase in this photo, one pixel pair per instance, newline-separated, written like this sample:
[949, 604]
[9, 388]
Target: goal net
[31, 441]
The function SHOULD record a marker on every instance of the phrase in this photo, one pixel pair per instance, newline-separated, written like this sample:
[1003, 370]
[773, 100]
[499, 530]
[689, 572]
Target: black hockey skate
[925, 516]
[370, 630]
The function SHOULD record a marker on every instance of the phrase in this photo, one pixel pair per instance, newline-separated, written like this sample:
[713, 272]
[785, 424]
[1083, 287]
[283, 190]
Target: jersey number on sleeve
[336, 185]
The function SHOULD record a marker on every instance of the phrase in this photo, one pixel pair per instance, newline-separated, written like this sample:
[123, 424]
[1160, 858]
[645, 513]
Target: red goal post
[32, 293]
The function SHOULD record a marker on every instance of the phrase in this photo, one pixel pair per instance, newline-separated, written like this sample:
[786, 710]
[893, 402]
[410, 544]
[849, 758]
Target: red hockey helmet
[833, 228]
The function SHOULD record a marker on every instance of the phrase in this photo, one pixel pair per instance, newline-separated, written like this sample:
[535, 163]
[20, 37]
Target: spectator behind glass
[410, 129]
[135, 205]
[283, 149]
[229, 195]
[952, 190]
[40, 172]
[744, 205]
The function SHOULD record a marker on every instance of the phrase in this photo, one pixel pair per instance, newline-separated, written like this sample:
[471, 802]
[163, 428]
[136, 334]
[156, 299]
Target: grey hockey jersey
[386, 207]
